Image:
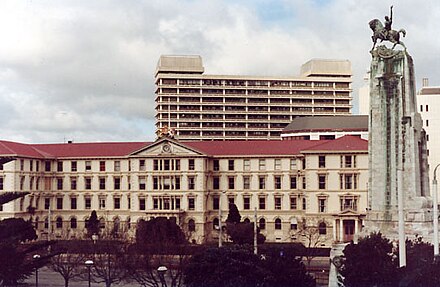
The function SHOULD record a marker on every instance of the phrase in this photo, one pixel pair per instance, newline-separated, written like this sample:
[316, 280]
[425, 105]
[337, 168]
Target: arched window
[116, 224]
[322, 228]
[59, 222]
[191, 225]
[102, 223]
[36, 223]
[73, 223]
[277, 224]
[262, 223]
[246, 220]
[128, 222]
[46, 223]
[215, 224]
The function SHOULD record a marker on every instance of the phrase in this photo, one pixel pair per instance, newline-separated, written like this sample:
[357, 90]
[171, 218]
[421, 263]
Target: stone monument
[397, 143]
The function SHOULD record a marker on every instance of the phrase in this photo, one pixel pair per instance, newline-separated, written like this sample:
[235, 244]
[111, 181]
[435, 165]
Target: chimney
[425, 82]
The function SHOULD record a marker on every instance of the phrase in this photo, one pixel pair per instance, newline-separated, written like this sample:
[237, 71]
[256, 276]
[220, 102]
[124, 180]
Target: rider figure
[388, 23]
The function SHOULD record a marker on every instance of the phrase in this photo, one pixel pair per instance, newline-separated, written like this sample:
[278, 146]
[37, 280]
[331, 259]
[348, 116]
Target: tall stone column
[396, 142]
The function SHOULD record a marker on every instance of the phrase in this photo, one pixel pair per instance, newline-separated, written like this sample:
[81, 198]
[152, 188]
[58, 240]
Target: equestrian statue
[385, 33]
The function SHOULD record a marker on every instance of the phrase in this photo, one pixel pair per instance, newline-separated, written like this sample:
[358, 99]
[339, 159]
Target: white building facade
[291, 184]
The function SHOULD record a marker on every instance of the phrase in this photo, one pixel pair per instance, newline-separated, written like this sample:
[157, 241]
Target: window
[321, 161]
[46, 203]
[277, 224]
[88, 183]
[293, 224]
[277, 182]
[21, 164]
[141, 203]
[191, 182]
[277, 201]
[246, 203]
[304, 163]
[348, 161]
[262, 223]
[231, 182]
[1, 166]
[117, 183]
[322, 228]
[191, 164]
[293, 182]
[322, 204]
[142, 165]
[262, 202]
[262, 164]
[348, 202]
[191, 225]
[59, 223]
[277, 164]
[262, 182]
[348, 181]
[1, 183]
[304, 183]
[293, 163]
[73, 166]
[73, 183]
[73, 203]
[88, 203]
[59, 203]
[46, 223]
[142, 183]
[73, 223]
[216, 182]
[304, 204]
[60, 183]
[60, 166]
[102, 202]
[88, 165]
[421, 108]
[156, 164]
[216, 164]
[102, 183]
[117, 165]
[247, 164]
[246, 182]
[293, 202]
[117, 203]
[102, 165]
[22, 179]
[191, 203]
[166, 164]
[47, 165]
[37, 166]
[426, 108]
[231, 200]
[31, 165]
[215, 202]
[427, 123]
[322, 181]
[231, 164]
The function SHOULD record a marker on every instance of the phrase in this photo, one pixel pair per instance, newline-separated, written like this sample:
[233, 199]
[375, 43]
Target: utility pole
[402, 243]
[220, 243]
[435, 212]
[255, 232]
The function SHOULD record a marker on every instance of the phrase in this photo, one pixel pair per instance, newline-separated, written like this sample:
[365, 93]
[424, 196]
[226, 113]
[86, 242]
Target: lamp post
[89, 264]
[95, 238]
[36, 257]
[162, 270]
[435, 212]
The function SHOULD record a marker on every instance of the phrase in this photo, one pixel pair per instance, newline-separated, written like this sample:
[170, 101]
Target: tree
[241, 232]
[312, 239]
[93, 224]
[370, 262]
[11, 195]
[67, 263]
[159, 231]
[233, 215]
[238, 266]
[16, 261]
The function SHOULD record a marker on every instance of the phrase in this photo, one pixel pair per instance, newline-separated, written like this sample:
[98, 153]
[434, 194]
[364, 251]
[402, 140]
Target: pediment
[167, 147]
[348, 212]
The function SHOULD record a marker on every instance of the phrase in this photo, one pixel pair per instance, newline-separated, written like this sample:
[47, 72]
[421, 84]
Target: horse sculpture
[379, 32]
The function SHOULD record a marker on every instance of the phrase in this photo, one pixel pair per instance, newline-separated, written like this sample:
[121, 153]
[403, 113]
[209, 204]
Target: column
[335, 235]
[341, 230]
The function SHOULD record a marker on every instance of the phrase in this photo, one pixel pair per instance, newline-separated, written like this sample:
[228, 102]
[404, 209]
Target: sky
[84, 70]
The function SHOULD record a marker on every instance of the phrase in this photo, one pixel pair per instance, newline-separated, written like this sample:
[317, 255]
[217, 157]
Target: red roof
[345, 143]
[212, 148]
[257, 147]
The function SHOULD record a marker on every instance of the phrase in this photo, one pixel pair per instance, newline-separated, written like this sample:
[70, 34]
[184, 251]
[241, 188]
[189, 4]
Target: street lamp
[95, 238]
[36, 257]
[435, 211]
[89, 264]
[162, 270]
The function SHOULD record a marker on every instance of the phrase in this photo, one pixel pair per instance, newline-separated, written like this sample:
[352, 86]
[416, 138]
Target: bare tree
[68, 265]
[312, 241]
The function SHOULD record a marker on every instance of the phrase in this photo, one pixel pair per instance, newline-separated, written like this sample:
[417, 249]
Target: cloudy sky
[84, 70]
